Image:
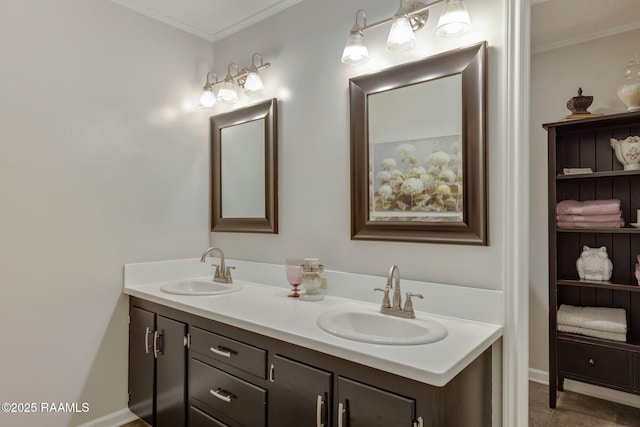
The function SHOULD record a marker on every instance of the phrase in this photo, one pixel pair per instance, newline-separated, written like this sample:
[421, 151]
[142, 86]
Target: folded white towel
[604, 319]
[614, 336]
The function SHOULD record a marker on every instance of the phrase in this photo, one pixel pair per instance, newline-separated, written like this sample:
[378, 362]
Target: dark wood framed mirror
[244, 169]
[418, 151]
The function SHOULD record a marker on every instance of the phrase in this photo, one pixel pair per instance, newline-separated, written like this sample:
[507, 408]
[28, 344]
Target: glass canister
[629, 89]
[311, 280]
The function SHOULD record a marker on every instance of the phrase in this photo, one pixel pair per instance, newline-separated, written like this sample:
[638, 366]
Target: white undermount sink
[369, 325]
[199, 286]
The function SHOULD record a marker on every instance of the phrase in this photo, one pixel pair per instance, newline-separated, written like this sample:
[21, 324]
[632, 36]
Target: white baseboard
[539, 376]
[114, 419]
[623, 398]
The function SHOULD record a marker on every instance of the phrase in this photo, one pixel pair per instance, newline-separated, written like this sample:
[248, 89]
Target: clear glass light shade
[454, 20]
[208, 99]
[228, 92]
[401, 36]
[253, 84]
[355, 52]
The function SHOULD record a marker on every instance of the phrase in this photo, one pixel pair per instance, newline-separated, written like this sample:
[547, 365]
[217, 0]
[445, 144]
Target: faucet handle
[228, 272]
[408, 305]
[217, 266]
[385, 300]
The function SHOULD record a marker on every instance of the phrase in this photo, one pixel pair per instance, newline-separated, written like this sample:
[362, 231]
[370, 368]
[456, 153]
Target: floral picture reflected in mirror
[419, 177]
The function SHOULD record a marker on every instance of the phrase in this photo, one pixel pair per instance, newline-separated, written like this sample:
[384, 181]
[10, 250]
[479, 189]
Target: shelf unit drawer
[228, 395]
[229, 351]
[606, 365]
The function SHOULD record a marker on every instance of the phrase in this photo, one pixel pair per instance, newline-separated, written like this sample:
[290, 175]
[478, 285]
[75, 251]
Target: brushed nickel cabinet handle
[155, 344]
[272, 373]
[319, 404]
[341, 411]
[146, 340]
[592, 362]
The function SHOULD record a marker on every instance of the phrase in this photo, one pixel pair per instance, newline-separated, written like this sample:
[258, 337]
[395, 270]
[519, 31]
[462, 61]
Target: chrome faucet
[396, 309]
[223, 273]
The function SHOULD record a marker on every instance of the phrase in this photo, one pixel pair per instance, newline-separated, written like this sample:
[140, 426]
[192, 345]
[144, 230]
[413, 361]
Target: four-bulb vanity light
[246, 78]
[454, 21]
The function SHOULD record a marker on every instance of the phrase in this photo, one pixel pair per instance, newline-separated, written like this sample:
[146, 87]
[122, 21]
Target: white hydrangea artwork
[417, 180]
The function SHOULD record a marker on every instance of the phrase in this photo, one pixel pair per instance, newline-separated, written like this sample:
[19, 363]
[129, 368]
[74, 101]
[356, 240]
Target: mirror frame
[470, 63]
[267, 111]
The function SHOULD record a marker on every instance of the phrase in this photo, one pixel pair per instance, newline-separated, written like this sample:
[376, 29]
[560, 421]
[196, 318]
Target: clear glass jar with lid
[629, 89]
[311, 280]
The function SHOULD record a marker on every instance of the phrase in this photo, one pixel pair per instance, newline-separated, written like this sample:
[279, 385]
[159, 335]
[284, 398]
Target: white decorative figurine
[594, 264]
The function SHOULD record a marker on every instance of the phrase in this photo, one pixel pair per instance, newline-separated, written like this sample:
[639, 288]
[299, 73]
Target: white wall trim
[114, 419]
[538, 376]
[587, 37]
[212, 37]
[515, 270]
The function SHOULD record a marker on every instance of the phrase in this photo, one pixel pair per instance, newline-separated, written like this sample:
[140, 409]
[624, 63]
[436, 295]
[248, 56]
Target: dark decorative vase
[579, 104]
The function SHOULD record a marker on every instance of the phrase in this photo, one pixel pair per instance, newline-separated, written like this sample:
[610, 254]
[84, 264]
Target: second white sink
[199, 286]
[369, 325]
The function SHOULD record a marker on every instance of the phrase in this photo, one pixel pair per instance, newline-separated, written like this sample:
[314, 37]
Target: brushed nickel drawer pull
[222, 395]
[592, 362]
[221, 351]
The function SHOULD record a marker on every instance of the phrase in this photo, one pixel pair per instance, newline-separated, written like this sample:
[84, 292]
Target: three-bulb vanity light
[454, 21]
[246, 78]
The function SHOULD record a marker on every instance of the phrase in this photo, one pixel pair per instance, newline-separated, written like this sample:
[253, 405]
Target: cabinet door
[300, 395]
[171, 373]
[366, 406]
[141, 363]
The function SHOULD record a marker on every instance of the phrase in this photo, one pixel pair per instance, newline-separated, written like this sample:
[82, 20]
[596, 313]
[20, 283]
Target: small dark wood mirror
[418, 151]
[244, 175]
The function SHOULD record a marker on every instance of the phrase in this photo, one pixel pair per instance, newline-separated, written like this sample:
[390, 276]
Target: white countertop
[265, 309]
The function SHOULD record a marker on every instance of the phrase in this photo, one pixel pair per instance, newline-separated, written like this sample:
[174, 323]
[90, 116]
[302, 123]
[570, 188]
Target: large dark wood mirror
[418, 151]
[244, 175]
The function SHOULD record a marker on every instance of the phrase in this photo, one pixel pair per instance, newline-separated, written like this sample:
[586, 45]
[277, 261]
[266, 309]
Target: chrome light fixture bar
[408, 18]
[247, 78]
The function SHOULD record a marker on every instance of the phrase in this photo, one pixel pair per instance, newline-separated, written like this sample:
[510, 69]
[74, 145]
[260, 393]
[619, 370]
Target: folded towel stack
[589, 214]
[600, 322]
[637, 272]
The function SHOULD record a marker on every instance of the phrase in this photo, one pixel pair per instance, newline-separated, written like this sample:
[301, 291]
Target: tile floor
[574, 410]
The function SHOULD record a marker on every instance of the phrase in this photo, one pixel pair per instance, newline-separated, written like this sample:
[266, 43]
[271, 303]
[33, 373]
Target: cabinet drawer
[228, 395]
[197, 418]
[607, 365]
[226, 350]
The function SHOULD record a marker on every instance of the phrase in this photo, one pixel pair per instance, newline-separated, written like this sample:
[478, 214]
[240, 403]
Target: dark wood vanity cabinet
[237, 378]
[585, 143]
[157, 368]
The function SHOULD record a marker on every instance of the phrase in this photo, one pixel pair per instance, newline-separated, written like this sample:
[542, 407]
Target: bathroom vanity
[256, 358]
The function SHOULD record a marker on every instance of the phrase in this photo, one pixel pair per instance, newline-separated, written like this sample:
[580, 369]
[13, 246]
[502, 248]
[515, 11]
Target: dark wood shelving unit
[585, 143]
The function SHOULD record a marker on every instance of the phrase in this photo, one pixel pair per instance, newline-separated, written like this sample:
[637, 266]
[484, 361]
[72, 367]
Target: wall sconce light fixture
[246, 78]
[409, 18]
